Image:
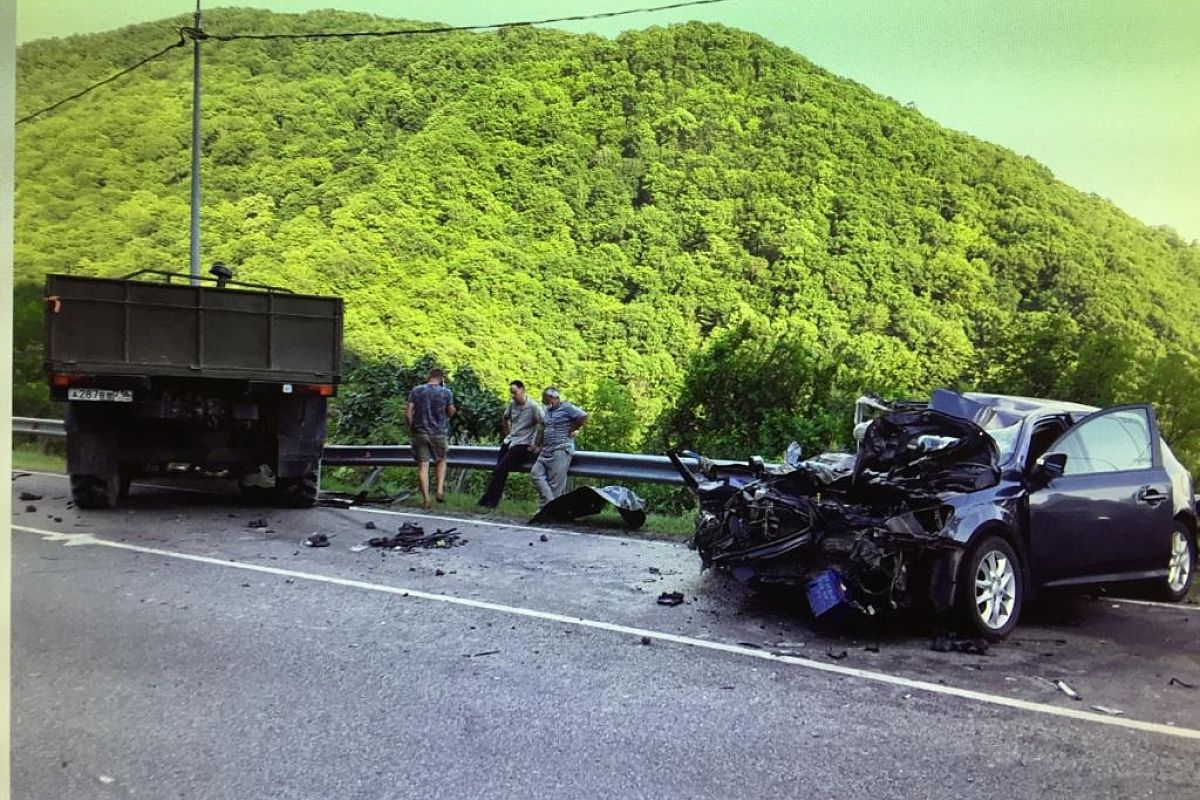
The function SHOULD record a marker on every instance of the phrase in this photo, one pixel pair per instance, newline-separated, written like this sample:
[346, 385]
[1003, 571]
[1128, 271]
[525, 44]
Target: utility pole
[194, 257]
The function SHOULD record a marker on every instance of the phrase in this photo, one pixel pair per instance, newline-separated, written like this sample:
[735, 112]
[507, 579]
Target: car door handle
[1150, 496]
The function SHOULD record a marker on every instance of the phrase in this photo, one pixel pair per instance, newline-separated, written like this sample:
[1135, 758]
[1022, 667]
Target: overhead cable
[230, 37]
[182, 41]
[196, 33]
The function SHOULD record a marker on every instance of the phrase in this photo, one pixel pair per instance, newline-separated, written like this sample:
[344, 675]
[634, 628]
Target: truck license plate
[101, 395]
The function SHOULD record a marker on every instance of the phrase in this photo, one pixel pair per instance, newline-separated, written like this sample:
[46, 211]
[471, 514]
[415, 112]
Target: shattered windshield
[1006, 440]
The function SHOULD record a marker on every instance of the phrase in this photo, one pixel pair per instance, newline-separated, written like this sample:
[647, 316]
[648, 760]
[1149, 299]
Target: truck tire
[95, 491]
[298, 492]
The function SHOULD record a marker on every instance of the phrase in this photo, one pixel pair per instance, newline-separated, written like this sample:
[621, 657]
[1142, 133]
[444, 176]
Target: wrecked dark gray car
[967, 504]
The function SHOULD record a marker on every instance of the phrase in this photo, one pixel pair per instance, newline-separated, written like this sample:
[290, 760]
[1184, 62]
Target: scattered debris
[358, 548]
[480, 655]
[1184, 684]
[1112, 712]
[543, 538]
[30, 509]
[645, 640]
[106, 779]
[837, 656]
[439, 572]
[256, 523]
[317, 540]
[370, 525]
[948, 643]
[26, 497]
[588, 500]
[670, 598]
[655, 571]
[1067, 690]
[871, 648]
[412, 536]
[58, 519]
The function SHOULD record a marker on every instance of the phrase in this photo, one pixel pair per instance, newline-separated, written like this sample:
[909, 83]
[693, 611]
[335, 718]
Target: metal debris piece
[484, 653]
[1184, 684]
[1067, 690]
[411, 536]
[943, 643]
[317, 540]
[1112, 712]
[670, 598]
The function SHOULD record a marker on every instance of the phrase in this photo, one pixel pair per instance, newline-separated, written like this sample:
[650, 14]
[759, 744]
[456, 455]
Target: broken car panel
[968, 502]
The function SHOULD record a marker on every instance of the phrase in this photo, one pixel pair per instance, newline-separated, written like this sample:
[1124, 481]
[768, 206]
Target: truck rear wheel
[298, 492]
[95, 491]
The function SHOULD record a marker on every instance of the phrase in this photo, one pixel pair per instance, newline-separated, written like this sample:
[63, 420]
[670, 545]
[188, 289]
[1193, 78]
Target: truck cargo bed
[103, 326]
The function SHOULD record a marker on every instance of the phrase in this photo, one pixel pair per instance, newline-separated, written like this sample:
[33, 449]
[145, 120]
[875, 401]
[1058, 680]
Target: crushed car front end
[871, 532]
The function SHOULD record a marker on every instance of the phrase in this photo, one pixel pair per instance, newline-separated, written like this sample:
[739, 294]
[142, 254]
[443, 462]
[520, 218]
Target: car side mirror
[1049, 467]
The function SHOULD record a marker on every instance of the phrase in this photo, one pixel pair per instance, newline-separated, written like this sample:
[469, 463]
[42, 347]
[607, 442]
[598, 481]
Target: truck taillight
[62, 379]
[322, 389]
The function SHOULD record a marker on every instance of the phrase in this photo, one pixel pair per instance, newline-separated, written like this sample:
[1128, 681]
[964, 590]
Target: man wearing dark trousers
[520, 424]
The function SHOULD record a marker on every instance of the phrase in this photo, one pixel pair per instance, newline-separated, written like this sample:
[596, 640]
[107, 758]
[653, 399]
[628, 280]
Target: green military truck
[223, 376]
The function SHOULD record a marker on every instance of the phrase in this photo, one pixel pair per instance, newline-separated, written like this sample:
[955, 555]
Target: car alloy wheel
[995, 590]
[1179, 567]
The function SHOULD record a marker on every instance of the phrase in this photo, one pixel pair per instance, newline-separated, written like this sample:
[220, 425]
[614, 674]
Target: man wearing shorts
[430, 407]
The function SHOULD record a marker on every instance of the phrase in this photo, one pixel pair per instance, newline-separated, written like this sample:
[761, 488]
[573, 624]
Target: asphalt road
[168, 650]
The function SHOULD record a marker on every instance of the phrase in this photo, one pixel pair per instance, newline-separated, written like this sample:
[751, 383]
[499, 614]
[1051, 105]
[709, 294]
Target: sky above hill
[1104, 92]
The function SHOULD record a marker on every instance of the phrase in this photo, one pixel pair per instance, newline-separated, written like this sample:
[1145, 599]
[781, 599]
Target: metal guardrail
[29, 426]
[585, 464]
[635, 467]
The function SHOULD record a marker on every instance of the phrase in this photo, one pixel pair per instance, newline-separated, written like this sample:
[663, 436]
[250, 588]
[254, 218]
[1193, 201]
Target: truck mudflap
[301, 436]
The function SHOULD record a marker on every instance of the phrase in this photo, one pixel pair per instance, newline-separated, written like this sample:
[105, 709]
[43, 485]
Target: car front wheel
[1181, 565]
[992, 589]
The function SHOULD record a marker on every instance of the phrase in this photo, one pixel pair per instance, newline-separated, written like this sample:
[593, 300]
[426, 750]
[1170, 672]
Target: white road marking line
[472, 520]
[77, 539]
[169, 487]
[1184, 606]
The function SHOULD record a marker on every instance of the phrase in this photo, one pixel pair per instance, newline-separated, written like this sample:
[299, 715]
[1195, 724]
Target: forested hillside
[700, 235]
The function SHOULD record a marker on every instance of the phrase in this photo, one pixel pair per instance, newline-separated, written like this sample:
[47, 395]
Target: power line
[230, 37]
[182, 41]
[197, 34]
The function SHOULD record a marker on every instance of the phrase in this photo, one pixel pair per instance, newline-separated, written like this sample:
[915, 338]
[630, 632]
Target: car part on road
[588, 500]
[412, 536]
[317, 540]
[670, 598]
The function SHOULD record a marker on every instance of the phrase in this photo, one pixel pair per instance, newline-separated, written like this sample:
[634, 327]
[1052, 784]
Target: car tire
[1181, 565]
[95, 491]
[991, 589]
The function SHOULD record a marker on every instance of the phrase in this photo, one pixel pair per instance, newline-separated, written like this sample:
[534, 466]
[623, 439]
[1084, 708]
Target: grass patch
[38, 456]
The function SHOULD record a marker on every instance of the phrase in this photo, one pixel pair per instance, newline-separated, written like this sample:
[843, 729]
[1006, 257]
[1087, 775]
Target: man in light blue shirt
[561, 421]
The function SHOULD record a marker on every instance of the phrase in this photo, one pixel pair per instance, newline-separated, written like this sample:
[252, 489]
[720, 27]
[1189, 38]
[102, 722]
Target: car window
[1113, 442]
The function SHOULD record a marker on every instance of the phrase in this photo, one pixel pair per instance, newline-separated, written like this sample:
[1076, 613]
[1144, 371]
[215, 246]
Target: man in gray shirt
[561, 422]
[520, 423]
[430, 407]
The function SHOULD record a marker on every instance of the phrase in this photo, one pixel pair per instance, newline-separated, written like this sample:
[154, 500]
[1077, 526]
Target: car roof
[1025, 406]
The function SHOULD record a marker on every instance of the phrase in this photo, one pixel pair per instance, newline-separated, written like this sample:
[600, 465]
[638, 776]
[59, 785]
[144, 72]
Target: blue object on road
[827, 592]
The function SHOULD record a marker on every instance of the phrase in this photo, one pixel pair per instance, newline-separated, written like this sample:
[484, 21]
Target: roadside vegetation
[703, 238]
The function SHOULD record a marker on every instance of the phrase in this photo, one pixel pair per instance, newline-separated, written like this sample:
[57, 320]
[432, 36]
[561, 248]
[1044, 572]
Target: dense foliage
[700, 236]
